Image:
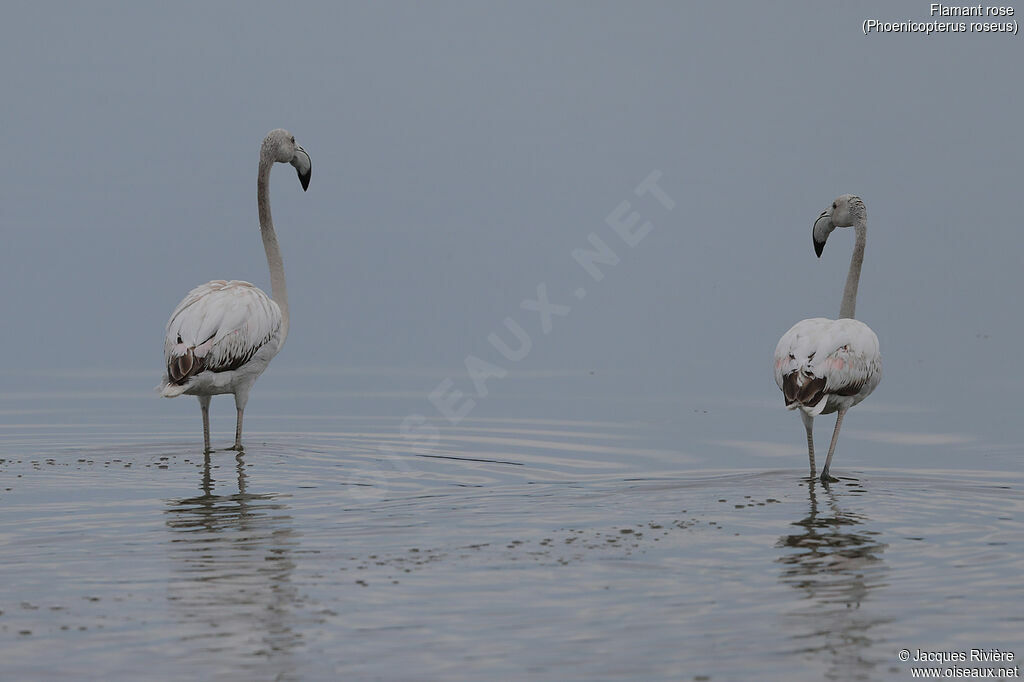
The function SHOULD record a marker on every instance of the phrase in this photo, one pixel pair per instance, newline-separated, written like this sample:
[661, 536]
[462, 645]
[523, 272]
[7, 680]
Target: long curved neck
[849, 305]
[278, 289]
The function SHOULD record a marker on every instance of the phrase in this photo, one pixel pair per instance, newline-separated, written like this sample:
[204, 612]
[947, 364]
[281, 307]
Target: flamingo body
[823, 365]
[219, 339]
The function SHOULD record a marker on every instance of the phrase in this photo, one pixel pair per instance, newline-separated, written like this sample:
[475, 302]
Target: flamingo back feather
[219, 326]
[819, 359]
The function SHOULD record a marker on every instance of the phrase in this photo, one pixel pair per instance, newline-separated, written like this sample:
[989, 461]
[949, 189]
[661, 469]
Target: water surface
[661, 538]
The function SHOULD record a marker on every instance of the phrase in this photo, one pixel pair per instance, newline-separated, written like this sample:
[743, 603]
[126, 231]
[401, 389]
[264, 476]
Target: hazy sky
[462, 150]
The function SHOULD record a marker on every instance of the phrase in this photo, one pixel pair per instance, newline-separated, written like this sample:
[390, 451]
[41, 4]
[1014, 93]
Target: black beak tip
[818, 247]
[304, 179]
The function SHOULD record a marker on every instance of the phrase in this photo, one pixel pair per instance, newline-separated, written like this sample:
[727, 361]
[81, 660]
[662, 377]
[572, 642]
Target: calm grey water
[572, 527]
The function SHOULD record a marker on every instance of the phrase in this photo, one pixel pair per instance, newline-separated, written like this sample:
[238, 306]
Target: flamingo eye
[293, 139]
[833, 205]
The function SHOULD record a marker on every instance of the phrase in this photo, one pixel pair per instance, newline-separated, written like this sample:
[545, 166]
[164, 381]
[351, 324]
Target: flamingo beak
[822, 229]
[303, 166]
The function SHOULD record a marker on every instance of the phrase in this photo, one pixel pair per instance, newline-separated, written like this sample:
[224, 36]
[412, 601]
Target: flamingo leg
[808, 425]
[825, 478]
[238, 429]
[204, 405]
[241, 398]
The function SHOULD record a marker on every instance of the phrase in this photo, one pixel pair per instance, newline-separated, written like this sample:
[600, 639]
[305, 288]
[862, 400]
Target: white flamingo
[824, 366]
[223, 335]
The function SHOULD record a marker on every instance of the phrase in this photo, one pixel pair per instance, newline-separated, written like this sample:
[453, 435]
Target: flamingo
[223, 334]
[824, 366]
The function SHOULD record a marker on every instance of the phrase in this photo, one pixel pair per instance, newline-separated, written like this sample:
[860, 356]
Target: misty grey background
[461, 151]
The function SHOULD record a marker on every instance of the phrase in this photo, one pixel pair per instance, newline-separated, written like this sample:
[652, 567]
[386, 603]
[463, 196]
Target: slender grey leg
[241, 398]
[808, 425]
[204, 405]
[825, 478]
[238, 429]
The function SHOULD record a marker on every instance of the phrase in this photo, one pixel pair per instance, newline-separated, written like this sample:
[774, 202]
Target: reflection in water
[233, 591]
[836, 563]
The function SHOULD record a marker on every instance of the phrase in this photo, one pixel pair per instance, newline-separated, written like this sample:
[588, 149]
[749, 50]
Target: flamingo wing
[819, 358]
[218, 327]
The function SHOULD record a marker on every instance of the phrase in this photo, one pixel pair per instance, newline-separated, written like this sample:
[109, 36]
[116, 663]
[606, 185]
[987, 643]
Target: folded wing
[218, 327]
[820, 358]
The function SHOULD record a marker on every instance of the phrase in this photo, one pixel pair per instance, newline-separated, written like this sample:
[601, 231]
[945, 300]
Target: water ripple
[514, 548]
